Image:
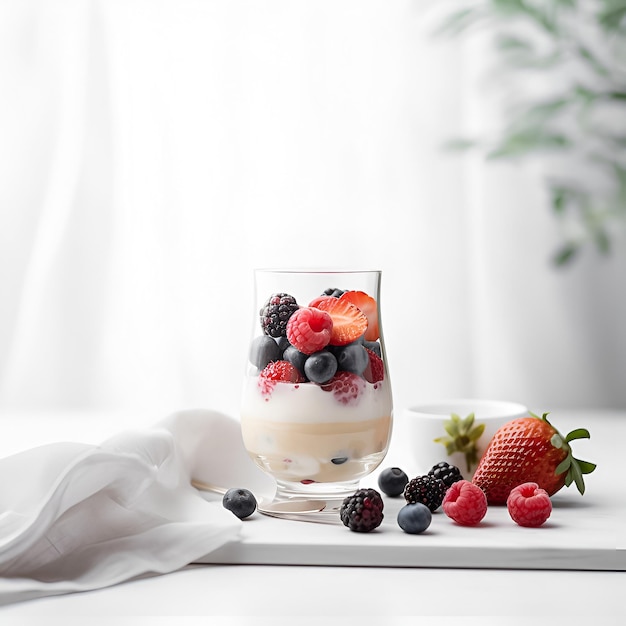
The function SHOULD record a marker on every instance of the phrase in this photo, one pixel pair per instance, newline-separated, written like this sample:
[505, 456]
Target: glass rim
[315, 270]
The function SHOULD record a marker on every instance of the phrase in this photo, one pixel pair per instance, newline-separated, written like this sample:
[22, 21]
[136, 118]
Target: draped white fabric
[152, 153]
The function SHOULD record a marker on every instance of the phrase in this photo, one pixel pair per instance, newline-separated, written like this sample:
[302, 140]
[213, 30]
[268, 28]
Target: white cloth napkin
[76, 516]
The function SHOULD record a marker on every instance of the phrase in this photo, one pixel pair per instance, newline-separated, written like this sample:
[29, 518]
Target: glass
[316, 410]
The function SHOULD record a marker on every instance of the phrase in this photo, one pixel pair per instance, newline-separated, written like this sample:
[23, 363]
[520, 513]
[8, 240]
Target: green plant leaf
[566, 253]
[602, 240]
[459, 21]
[592, 61]
[522, 142]
[459, 144]
[613, 14]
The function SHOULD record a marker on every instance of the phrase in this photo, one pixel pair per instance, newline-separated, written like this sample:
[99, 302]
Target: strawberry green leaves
[574, 467]
[462, 437]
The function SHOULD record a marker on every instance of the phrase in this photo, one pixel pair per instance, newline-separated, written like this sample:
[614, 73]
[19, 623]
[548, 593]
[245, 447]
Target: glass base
[331, 492]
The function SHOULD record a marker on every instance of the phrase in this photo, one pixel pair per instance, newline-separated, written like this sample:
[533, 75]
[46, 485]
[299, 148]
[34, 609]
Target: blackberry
[425, 489]
[276, 313]
[448, 473]
[362, 511]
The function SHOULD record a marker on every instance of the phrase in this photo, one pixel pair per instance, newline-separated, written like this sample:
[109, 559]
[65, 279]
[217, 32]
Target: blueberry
[320, 367]
[339, 460]
[414, 518]
[295, 357]
[333, 291]
[352, 358]
[263, 349]
[283, 343]
[241, 502]
[392, 481]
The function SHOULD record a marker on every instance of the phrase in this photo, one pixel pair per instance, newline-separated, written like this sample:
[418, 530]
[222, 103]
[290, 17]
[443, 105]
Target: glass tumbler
[316, 410]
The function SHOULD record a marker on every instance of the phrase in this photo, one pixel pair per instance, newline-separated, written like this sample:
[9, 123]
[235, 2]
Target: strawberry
[349, 323]
[367, 305]
[530, 449]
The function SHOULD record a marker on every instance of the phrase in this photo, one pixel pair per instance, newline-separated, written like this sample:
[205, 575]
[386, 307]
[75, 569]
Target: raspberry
[309, 330]
[425, 489]
[276, 312]
[278, 372]
[362, 511]
[448, 473]
[465, 503]
[529, 505]
[345, 386]
[374, 370]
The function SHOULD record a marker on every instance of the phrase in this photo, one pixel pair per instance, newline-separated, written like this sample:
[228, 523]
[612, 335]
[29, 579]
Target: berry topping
[241, 502]
[374, 370]
[278, 372]
[465, 503]
[340, 460]
[352, 358]
[414, 518]
[334, 292]
[309, 329]
[367, 305]
[345, 386]
[425, 489]
[295, 357]
[529, 505]
[448, 473]
[349, 323]
[374, 346]
[392, 481]
[362, 511]
[276, 313]
[320, 367]
[263, 350]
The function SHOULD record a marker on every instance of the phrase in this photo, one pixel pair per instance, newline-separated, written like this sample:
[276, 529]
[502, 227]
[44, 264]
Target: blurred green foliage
[562, 63]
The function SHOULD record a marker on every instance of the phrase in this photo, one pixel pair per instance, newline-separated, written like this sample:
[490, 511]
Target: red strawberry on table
[367, 305]
[349, 323]
[530, 449]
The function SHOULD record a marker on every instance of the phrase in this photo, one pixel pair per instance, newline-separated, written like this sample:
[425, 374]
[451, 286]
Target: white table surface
[232, 593]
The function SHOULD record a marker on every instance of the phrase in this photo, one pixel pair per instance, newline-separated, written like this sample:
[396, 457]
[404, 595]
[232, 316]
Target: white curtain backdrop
[152, 153]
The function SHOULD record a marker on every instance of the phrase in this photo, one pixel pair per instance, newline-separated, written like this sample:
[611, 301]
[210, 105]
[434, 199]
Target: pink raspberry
[345, 386]
[278, 372]
[529, 505]
[465, 503]
[309, 329]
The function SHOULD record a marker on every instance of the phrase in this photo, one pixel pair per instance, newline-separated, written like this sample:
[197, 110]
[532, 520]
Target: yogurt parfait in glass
[317, 410]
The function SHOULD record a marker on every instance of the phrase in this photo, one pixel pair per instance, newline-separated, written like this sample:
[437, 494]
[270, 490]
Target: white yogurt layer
[308, 403]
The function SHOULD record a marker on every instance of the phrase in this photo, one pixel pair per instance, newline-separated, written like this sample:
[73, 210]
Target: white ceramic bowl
[425, 423]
